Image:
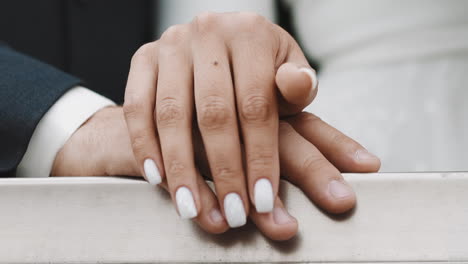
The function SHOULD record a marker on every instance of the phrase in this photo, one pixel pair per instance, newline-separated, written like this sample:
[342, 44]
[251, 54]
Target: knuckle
[260, 162]
[250, 22]
[224, 175]
[206, 21]
[176, 168]
[313, 163]
[255, 108]
[214, 113]
[131, 109]
[174, 34]
[144, 54]
[168, 112]
[139, 143]
[253, 18]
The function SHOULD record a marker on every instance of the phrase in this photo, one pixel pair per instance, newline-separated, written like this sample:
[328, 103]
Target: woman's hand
[221, 72]
[312, 154]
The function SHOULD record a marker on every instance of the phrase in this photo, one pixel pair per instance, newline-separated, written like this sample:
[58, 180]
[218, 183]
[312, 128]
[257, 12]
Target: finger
[173, 114]
[276, 225]
[217, 121]
[296, 80]
[344, 153]
[210, 217]
[304, 165]
[138, 109]
[297, 84]
[257, 108]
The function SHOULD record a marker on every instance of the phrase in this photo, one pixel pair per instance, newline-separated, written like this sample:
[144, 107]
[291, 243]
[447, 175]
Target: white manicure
[263, 192]
[151, 172]
[234, 210]
[312, 75]
[185, 203]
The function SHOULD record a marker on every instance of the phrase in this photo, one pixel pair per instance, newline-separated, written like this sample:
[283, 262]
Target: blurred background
[95, 40]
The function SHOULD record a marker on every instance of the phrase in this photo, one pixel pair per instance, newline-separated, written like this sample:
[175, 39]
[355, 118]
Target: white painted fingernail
[312, 75]
[185, 203]
[234, 210]
[151, 172]
[263, 192]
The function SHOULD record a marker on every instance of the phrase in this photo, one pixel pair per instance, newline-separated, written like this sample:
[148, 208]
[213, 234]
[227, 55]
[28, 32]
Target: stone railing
[400, 217]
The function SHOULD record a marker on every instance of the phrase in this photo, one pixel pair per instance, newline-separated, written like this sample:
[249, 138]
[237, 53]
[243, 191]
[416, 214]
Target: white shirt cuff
[56, 127]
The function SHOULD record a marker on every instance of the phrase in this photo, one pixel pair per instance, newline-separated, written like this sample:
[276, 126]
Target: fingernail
[312, 75]
[339, 190]
[263, 196]
[234, 210]
[216, 216]
[363, 154]
[185, 203]
[281, 216]
[151, 172]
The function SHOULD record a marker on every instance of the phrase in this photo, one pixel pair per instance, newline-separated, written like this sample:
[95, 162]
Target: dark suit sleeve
[28, 88]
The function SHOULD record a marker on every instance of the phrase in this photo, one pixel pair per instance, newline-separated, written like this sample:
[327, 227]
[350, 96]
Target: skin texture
[310, 153]
[234, 75]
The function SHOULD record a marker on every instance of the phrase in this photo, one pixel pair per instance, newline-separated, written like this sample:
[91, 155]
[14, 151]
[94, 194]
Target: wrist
[100, 147]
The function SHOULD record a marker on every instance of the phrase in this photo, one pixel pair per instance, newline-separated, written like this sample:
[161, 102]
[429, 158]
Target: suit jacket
[28, 88]
[90, 39]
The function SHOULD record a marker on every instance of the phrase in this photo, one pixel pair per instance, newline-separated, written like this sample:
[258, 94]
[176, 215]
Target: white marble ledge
[420, 217]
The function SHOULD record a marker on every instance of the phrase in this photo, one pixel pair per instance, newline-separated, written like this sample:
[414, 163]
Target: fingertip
[263, 196]
[218, 229]
[359, 161]
[151, 172]
[210, 217]
[312, 77]
[285, 221]
[235, 210]
[342, 197]
[342, 207]
[212, 228]
[185, 202]
[298, 85]
[219, 224]
[212, 221]
[277, 225]
[370, 161]
[284, 226]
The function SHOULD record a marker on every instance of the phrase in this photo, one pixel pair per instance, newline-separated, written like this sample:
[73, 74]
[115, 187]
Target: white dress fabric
[393, 76]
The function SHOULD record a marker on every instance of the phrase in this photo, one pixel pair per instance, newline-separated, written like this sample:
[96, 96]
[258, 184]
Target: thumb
[296, 80]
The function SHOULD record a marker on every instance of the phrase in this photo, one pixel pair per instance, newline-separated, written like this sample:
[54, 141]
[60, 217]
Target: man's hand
[100, 147]
[233, 74]
[312, 154]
